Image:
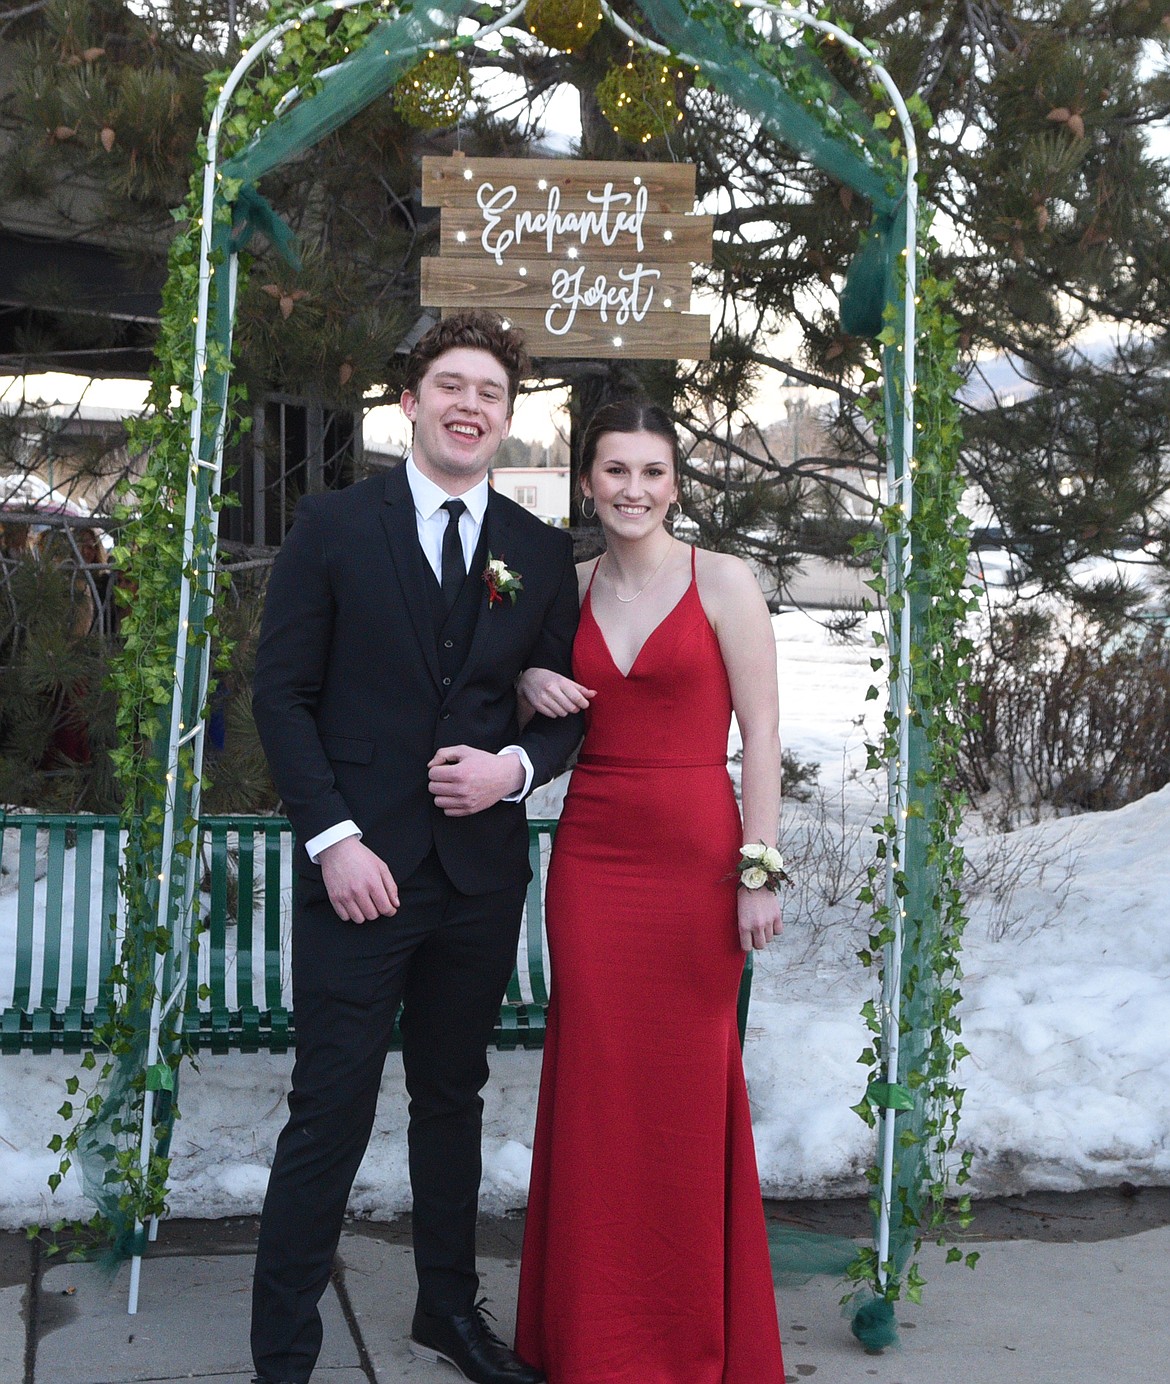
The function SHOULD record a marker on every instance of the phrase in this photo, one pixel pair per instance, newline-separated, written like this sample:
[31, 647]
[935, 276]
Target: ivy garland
[105, 1126]
[803, 81]
[939, 657]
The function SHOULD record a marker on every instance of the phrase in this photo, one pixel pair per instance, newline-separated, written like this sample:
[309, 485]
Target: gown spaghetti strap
[645, 1249]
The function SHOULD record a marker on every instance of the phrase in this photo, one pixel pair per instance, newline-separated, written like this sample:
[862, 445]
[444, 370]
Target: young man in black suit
[384, 696]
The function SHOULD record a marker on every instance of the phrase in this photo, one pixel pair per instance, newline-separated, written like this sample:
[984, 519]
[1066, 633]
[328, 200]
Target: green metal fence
[60, 925]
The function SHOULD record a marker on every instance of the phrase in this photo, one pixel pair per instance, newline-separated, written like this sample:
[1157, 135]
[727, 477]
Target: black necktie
[454, 568]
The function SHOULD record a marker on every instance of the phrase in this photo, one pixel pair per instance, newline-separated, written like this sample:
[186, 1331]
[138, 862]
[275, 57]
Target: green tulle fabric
[800, 1255]
[339, 94]
[874, 1326]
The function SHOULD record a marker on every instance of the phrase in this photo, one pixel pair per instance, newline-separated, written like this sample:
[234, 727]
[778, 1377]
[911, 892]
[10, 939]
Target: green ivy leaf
[160, 1077]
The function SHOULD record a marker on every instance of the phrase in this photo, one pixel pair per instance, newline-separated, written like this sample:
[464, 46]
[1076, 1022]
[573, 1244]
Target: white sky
[50, 387]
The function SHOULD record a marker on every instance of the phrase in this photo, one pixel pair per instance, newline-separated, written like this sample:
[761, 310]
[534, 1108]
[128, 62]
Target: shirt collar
[429, 497]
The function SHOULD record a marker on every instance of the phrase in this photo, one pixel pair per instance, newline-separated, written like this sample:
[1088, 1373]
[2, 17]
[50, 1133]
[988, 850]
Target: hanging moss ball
[640, 97]
[565, 24]
[433, 93]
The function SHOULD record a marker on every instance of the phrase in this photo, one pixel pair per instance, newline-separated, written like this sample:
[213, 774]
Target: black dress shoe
[471, 1346]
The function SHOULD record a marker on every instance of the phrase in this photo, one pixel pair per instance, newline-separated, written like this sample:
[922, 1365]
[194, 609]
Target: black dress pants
[447, 956]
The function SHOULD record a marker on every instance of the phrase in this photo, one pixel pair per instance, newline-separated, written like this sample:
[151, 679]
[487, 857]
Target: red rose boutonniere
[500, 581]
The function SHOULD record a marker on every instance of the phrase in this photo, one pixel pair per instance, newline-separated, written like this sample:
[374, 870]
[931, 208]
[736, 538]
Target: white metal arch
[899, 491]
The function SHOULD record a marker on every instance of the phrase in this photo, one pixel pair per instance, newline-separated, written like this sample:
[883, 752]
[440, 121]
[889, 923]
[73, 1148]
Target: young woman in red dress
[645, 1251]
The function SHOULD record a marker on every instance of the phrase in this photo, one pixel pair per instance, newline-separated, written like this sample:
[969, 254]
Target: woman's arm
[739, 615]
[552, 694]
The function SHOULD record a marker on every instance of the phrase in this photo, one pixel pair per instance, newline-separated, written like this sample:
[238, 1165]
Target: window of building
[525, 495]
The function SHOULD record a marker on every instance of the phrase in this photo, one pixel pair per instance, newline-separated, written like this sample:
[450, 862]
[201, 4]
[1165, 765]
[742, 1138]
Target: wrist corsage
[761, 867]
[500, 581]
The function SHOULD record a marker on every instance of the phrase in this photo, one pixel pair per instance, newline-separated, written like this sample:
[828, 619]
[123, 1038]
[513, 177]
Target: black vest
[453, 631]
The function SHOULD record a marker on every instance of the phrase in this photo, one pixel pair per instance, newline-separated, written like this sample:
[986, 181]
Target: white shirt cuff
[330, 837]
[529, 772]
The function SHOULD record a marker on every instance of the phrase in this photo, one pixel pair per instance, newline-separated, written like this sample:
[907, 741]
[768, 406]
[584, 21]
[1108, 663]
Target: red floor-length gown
[645, 1251]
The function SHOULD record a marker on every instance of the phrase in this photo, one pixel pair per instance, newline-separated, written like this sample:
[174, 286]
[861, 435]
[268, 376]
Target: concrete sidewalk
[1084, 1298]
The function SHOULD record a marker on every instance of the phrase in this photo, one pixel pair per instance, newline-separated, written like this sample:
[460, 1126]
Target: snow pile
[1067, 986]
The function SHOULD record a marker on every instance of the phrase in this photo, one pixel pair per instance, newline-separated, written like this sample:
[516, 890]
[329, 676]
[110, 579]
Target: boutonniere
[500, 581]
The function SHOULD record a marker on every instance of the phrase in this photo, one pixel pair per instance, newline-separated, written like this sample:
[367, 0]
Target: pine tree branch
[8, 17]
[806, 376]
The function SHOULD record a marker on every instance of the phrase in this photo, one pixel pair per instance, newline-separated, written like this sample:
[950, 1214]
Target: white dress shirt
[431, 517]
[432, 520]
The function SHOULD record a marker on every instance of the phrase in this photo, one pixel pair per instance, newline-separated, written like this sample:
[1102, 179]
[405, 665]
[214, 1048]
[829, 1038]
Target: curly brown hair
[483, 331]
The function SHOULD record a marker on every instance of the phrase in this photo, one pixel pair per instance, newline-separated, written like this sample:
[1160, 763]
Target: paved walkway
[1072, 1288]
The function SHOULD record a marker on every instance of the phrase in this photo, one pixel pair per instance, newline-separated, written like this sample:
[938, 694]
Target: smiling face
[461, 414]
[632, 482]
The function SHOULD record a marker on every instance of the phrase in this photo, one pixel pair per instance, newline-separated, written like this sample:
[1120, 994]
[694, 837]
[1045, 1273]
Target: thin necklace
[625, 600]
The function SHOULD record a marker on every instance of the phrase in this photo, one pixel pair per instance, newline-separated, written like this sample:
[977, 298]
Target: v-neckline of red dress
[625, 677]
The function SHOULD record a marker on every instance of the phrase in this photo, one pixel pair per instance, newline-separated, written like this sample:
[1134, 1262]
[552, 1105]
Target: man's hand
[361, 887]
[759, 917]
[464, 780]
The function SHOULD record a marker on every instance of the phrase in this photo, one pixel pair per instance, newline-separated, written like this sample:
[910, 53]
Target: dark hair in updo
[631, 415]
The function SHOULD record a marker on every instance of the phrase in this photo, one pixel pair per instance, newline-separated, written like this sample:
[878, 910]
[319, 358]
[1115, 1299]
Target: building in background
[543, 490]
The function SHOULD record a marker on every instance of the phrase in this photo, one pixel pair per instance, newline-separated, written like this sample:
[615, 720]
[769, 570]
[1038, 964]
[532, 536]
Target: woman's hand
[551, 693]
[759, 917]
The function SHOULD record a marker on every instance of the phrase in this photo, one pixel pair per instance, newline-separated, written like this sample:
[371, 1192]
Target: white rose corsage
[761, 867]
[500, 581]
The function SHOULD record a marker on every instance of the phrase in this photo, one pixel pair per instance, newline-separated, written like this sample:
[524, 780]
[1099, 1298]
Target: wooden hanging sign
[587, 258]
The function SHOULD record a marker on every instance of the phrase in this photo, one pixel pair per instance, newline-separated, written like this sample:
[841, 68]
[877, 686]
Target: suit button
[445, 716]
[446, 682]
[448, 643]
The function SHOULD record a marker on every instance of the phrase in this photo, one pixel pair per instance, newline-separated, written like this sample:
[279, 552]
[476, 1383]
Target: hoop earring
[670, 518]
[587, 514]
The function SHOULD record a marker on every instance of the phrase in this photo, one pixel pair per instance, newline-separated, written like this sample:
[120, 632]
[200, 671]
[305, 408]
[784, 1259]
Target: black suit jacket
[348, 697]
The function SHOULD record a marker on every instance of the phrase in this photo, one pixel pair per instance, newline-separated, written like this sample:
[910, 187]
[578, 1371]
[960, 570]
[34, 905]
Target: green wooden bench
[59, 892]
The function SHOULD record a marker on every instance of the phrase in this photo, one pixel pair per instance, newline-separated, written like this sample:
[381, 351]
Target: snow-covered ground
[1066, 994]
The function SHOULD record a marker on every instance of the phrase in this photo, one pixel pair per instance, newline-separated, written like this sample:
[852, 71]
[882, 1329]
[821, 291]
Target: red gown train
[645, 1251]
